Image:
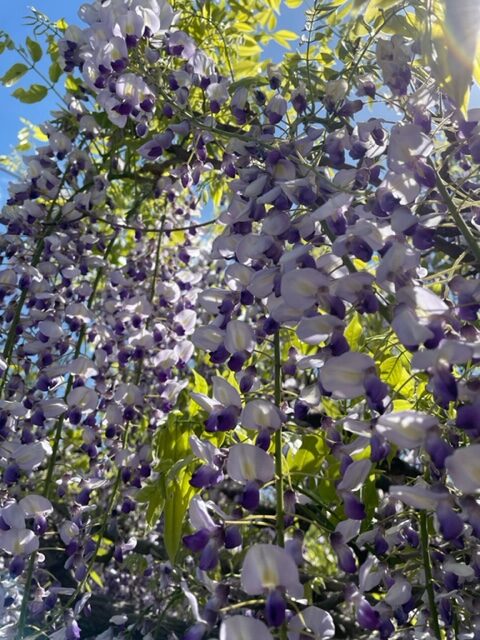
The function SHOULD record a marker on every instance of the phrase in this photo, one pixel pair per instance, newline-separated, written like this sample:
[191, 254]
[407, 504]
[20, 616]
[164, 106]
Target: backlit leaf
[353, 332]
[179, 494]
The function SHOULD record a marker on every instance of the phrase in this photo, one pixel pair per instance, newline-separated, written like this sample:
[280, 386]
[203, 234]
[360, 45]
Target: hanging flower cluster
[331, 325]
[99, 307]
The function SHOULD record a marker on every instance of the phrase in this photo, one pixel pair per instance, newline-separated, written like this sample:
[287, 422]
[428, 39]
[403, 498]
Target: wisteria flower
[241, 627]
[314, 621]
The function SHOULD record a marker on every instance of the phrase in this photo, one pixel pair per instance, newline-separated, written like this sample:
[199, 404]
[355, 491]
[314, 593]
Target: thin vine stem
[459, 221]
[119, 225]
[427, 566]
[33, 67]
[157, 260]
[280, 524]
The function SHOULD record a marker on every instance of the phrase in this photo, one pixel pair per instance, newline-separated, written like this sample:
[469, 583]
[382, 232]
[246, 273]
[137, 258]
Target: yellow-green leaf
[71, 84]
[32, 129]
[247, 51]
[402, 405]
[179, 494]
[394, 373]
[244, 27]
[61, 24]
[377, 6]
[310, 455]
[283, 36]
[96, 578]
[200, 385]
[353, 332]
[177, 237]
[275, 4]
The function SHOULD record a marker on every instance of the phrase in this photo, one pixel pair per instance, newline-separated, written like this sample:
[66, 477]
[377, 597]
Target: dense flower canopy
[263, 422]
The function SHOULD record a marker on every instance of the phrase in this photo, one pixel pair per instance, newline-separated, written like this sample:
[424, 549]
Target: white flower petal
[344, 375]
[243, 628]
[317, 328]
[313, 619]
[406, 429]
[267, 566]
[463, 467]
[33, 505]
[261, 414]
[225, 393]
[239, 337]
[417, 496]
[246, 462]
[355, 475]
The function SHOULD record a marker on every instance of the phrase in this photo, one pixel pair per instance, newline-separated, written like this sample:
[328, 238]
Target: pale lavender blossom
[314, 621]
[267, 566]
[464, 469]
[241, 628]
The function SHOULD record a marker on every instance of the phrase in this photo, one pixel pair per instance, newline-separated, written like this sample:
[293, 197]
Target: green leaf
[14, 74]
[34, 48]
[179, 494]
[54, 71]
[309, 457]
[293, 4]
[171, 442]
[5, 42]
[136, 563]
[331, 408]
[35, 93]
[370, 495]
[153, 495]
[200, 385]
